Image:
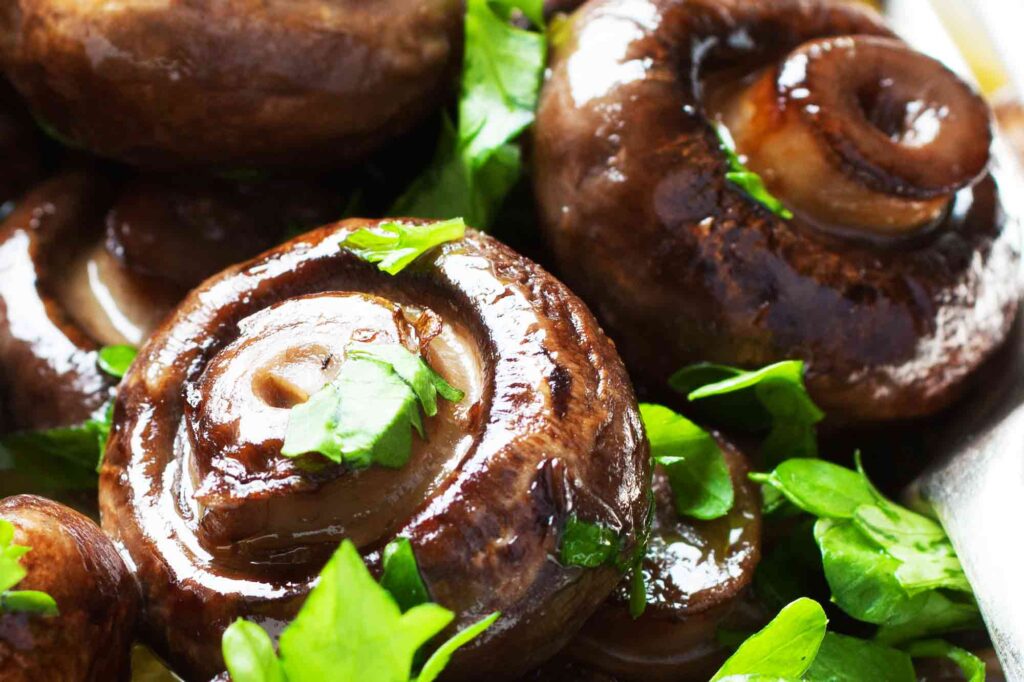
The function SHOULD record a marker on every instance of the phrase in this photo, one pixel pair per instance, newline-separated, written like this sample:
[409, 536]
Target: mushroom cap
[553, 430]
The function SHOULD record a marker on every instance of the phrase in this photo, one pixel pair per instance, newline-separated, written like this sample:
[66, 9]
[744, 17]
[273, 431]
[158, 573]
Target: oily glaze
[74, 562]
[231, 84]
[549, 426]
[682, 266]
[87, 260]
[697, 575]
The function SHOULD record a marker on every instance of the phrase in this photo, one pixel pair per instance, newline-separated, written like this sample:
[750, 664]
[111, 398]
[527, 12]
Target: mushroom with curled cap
[895, 277]
[88, 259]
[547, 427]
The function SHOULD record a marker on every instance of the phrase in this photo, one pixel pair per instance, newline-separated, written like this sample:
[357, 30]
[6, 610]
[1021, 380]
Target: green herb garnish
[62, 458]
[367, 414]
[13, 572]
[588, 545]
[115, 360]
[884, 564]
[476, 164]
[350, 628]
[696, 468]
[784, 649]
[746, 179]
[796, 647]
[394, 245]
[402, 575]
[970, 665]
[772, 399]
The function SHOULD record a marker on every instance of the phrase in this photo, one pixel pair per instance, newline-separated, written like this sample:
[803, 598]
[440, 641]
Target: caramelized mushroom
[19, 150]
[697, 575]
[231, 84]
[897, 276]
[221, 525]
[72, 561]
[87, 261]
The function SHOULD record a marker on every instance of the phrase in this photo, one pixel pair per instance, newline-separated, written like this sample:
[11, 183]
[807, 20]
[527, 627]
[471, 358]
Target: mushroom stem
[860, 133]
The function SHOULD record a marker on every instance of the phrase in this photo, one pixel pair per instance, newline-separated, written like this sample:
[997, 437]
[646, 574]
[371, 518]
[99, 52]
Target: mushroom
[19, 148]
[73, 562]
[88, 260]
[895, 278]
[697, 576]
[222, 526]
[231, 84]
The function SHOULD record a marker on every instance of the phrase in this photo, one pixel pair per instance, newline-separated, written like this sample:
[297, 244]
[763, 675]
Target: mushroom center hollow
[859, 133]
[253, 504]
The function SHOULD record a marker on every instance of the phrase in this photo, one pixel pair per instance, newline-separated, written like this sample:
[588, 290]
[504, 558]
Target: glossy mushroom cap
[232, 84]
[897, 277]
[548, 427]
[697, 575]
[74, 562]
[861, 134]
[88, 260]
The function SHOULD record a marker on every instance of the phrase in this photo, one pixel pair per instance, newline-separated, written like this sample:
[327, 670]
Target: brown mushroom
[231, 84]
[87, 260]
[697, 575]
[896, 278]
[548, 428]
[76, 564]
[19, 148]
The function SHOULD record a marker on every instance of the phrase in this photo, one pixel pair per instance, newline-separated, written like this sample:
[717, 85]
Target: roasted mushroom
[697, 576]
[73, 562]
[221, 525]
[87, 260]
[897, 274]
[19, 148]
[231, 84]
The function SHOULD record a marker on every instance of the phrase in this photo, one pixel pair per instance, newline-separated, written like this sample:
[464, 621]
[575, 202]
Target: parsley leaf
[849, 658]
[350, 628]
[884, 564]
[62, 458]
[366, 415]
[395, 245]
[696, 468]
[746, 179]
[13, 572]
[588, 545]
[970, 665]
[475, 164]
[783, 649]
[402, 575]
[115, 360]
[772, 398]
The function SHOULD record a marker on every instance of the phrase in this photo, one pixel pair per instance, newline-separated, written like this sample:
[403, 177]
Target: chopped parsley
[367, 414]
[746, 179]
[62, 458]
[350, 628]
[393, 246]
[884, 564]
[796, 646]
[591, 545]
[772, 399]
[696, 468]
[476, 163]
[115, 360]
[13, 572]
[402, 575]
